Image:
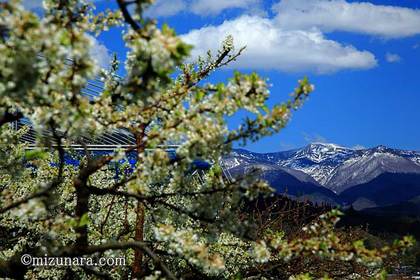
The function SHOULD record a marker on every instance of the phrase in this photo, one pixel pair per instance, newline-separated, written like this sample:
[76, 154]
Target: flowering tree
[163, 221]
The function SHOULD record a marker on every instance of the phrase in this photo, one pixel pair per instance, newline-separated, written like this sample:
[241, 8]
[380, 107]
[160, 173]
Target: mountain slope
[366, 167]
[290, 182]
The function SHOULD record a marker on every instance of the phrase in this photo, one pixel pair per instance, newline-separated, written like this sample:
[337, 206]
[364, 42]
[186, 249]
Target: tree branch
[55, 183]
[9, 117]
[126, 14]
[83, 194]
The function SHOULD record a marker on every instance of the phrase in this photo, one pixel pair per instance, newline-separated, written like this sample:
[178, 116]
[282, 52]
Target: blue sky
[363, 58]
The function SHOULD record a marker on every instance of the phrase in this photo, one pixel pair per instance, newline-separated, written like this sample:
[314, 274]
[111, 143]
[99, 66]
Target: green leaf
[35, 154]
[84, 220]
[199, 95]
[265, 109]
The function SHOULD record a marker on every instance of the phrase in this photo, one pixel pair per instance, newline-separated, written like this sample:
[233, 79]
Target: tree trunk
[138, 254]
[137, 268]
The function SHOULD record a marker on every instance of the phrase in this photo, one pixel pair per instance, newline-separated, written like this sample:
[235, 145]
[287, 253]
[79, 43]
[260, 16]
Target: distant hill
[409, 209]
[386, 189]
[292, 183]
[392, 221]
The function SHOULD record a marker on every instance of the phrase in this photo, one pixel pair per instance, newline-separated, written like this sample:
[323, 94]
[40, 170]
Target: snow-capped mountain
[367, 165]
[332, 166]
[318, 160]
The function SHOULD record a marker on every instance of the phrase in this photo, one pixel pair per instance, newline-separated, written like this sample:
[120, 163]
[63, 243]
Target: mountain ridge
[322, 161]
[335, 168]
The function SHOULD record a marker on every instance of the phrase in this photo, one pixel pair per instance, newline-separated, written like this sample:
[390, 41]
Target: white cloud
[392, 57]
[271, 47]
[314, 138]
[164, 8]
[287, 146]
[214, 7]
[358, 147]
[36, 4]
[359, 17]
[100, 52]
[32, 4]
